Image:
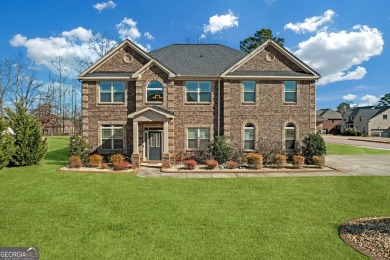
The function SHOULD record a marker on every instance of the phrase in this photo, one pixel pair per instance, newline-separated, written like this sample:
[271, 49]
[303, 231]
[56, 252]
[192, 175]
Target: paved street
[381, 143]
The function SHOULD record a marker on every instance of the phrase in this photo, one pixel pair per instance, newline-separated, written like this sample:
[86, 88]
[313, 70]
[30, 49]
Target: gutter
[219, 107]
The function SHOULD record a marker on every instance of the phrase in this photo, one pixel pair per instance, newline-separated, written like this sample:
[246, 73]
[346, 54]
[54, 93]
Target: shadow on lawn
[59, 156]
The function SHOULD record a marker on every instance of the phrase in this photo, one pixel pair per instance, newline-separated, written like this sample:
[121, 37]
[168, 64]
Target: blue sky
[345, 41]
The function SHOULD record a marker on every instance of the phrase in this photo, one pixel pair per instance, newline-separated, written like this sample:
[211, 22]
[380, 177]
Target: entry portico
[151, 124]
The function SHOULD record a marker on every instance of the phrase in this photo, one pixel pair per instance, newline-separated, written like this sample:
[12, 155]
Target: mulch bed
[95, 170]
[370, 236]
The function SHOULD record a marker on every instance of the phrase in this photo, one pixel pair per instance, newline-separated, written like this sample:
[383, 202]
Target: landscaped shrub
[268, 149]
[7, 148]
[254, 160]
[190, 164]
[104, 166]
[30, 146]
[280, 160]
[319, 161]
[313, 144]
[78, 147]
[364, 135]
[75, 162]
[298, 161]
[238, 156]
[116, 158]
[95, 160]
[220, 150]
[231, 164]
[123, 165]
[352, 131]
[212, 164]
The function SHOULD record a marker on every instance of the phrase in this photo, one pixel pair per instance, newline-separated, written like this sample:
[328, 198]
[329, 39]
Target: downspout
[219, 107]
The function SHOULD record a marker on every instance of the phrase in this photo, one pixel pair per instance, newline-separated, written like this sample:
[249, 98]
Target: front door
[154, 146]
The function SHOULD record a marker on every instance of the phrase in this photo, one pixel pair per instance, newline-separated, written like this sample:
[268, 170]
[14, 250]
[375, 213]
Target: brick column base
[135, 161]
[165, 161]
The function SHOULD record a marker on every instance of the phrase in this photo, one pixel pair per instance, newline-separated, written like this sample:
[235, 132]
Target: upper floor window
[249, 137]
[290, 136]
[112, 137]
[384, 117]
[290, 91]
[112, 91]
[154, 92]
[197, 136]
[198, 91]
[249, 91]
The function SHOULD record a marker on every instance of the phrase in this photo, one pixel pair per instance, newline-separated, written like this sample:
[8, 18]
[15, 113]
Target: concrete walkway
[348, 165]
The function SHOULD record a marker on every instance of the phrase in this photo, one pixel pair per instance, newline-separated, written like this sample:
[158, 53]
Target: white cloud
[369, 100]
[202, 36]
[311, 24]
[101, 6]
[338, 56]
[218, 23]
[18, 40]
[149, 36]
[127, 29]
[78, 33]
[349, 97]
[269, 2]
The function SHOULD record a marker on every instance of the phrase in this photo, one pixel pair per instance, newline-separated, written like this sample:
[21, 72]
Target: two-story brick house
[153, 105]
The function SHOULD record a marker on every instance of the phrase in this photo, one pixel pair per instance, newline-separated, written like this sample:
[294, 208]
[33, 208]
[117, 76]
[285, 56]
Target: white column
[135, 137]
[165, 141]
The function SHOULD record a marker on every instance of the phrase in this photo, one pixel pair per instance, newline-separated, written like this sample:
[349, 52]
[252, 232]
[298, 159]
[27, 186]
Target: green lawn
[340, 149]
[102, 216]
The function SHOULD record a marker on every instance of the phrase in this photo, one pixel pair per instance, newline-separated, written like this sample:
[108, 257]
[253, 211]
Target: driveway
[379, 143]
[360, 165]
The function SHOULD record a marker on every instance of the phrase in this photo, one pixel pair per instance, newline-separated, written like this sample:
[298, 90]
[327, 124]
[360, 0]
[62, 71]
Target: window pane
[205, 86]
[290, 97]
[192, 143]
[105, 97]
[118, 133]
[119, 97]
[106, 133]
[249, 86]
[192, 97]
[192, 86]
[119, 87]
[290, 134]
[204, 133]
[118, 143]
[158, 139]
[249, 145]
[290, 144]
[105, 86]
[249, 134]
[155, 95]
[290, 85]
[106, 144]
[205, 97]
[192, 133]
[249, 97]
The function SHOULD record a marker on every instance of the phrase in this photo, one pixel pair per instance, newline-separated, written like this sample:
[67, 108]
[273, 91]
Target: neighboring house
[158, 104]
[328, 121]
[370, 120]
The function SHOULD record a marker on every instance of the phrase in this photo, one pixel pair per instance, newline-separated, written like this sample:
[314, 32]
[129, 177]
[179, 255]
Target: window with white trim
[197, 136]
[289, 135]
[154, 92]
[112, 91]
[290, 91]
[198, 91]
[249, 91]
[249, 137]
[112, 137]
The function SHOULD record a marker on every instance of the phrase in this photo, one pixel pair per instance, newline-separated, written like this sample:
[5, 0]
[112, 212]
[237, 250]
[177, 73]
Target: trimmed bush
[268, 150]
[116, 158]
[318, 161]
[351, 132]
[30, 146]
[298, 161]
[104, 166]
[75, 162]
[313, 145]
[280, 160]
[190, 164]
[220, 150]
[231, 164]
[78, 147]
[254, 160]
[7, 148]
[212, 164]
[95, 160]
[123, 165]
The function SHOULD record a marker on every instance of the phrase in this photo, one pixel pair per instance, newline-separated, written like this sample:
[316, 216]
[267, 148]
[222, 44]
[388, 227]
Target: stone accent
[135, 161]
[165, 160]
[116, 62]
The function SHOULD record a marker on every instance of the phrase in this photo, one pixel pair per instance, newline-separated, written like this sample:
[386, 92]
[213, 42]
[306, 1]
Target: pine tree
[30, 145]
[6, 144]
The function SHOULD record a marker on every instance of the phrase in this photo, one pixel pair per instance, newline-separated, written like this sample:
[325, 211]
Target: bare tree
[5, 80]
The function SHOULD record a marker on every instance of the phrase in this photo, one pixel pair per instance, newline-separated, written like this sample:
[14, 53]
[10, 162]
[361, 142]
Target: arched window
[154, 92]
[249, 137]
[290, 136]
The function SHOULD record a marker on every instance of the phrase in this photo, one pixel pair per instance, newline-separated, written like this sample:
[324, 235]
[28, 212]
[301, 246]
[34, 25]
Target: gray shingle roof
[197, 59]
[328, 114]
[268, 73]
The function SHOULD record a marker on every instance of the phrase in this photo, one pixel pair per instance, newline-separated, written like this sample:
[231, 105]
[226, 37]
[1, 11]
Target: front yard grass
[341, 149]
[105, 216]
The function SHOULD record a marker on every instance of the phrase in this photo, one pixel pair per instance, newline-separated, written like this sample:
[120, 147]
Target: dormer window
[155, 92]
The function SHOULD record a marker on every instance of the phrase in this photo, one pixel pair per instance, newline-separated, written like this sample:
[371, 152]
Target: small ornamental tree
[30, 145]
[220, 150]
[313, 145]
[78, 147]
[6, 144]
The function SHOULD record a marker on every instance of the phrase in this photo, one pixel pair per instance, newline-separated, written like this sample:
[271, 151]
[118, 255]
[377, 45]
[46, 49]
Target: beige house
[156, 105]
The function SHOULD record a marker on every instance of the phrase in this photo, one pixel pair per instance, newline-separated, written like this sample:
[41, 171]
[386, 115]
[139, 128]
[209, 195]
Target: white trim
[271, 77]
[138, 73]
[133, 115]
